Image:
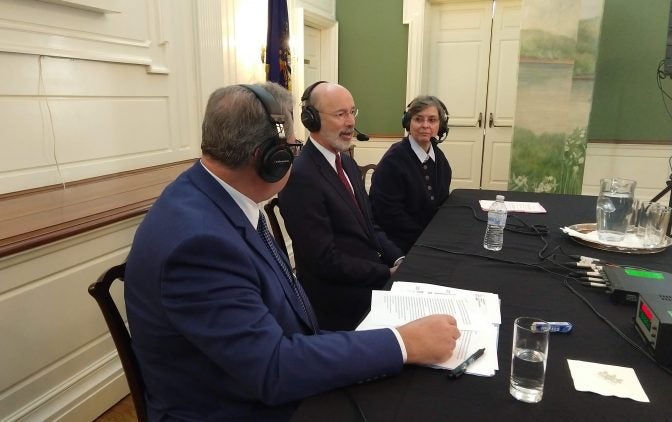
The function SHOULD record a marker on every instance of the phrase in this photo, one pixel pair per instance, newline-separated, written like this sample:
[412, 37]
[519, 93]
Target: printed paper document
[477, 313]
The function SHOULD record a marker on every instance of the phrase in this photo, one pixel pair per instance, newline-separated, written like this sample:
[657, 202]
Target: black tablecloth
[444, 255]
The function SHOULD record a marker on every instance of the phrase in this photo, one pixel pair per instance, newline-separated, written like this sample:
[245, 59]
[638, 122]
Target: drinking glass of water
[528, 359]
[657, 217]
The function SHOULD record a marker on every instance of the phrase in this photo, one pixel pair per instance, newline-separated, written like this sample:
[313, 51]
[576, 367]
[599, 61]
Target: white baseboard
[80, 398]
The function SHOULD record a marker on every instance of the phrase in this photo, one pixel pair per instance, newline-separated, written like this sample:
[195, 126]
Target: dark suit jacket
[340, 254]
[401, 201]
[217, 330]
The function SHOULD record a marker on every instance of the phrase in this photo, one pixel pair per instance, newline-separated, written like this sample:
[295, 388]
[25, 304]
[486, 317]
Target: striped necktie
[265, 234]
[344, 180]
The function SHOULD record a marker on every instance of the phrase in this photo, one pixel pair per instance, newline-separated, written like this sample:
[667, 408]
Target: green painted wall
[627, 104]
[372, 61]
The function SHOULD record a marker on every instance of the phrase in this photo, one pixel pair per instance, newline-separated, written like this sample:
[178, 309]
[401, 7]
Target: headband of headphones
[310, 117]
[276, 156]
[271, 106]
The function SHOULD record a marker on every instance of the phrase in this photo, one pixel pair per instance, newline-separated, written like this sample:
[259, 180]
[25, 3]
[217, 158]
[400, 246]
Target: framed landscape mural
[558, 52]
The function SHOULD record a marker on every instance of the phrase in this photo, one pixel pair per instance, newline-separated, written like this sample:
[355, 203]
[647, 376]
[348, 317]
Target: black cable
[351, 398]
[614, 327]
[525, 228]
[660, 75]
[492, 258]
[565, 277]
[538, 230]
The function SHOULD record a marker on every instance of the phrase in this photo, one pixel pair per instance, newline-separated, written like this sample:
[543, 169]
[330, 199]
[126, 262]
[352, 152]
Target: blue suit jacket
[217, 330]
[341, 255]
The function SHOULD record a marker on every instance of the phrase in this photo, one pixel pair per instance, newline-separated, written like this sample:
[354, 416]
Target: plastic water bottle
[494, 233]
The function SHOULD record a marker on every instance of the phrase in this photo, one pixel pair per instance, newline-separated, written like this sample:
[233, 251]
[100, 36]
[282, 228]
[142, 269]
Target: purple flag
[278, 57]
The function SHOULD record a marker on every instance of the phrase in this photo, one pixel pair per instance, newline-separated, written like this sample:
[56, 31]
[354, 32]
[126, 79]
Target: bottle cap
[499, 197]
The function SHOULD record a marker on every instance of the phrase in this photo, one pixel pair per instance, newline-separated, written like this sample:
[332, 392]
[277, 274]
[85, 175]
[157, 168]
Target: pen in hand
[459, 369]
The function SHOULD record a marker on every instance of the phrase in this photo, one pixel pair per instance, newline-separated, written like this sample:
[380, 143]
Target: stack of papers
[477, 313]
[526, 207]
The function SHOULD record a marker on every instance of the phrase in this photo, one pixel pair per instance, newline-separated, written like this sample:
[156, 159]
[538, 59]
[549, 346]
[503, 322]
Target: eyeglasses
[342, 114]
[421, 120]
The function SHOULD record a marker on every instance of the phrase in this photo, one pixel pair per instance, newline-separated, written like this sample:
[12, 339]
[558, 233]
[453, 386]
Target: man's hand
[393, 270]
[429, 340]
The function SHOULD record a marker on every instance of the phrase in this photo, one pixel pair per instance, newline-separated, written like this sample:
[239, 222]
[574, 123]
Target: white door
[312, 55]
[473, 62]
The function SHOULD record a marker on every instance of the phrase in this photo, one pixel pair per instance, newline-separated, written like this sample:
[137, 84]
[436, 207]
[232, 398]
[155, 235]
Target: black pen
[459, 369]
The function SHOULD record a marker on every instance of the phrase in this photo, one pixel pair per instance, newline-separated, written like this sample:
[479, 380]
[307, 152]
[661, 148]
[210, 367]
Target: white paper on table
[512, 206]
[607, 380]
[488, 303]
[390, 309]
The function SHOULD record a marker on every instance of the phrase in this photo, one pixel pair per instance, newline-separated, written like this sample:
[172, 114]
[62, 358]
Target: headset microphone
[361, 136]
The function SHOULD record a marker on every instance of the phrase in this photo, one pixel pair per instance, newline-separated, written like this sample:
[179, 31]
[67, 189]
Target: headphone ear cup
[443, 126]
[406, 121]
[275, 160]
[310, 118]
[443, 129]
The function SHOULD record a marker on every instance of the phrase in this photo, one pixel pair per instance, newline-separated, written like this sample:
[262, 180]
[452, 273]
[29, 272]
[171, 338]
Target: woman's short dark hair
[421, 102]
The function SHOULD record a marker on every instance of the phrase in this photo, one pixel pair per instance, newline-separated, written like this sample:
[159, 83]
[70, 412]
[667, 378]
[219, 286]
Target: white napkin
[630, 241]
[607, 380]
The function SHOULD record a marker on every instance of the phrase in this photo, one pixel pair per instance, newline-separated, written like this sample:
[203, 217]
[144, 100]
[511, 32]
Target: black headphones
[276, 156]
[443, 124]
[310, 117]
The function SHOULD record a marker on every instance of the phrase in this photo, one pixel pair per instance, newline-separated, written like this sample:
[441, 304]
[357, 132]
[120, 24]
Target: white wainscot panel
[69, 77]
[25, 139]
[647, 164]
[461, 158]
[370, 152]
[135, 35]
[19, 74]
[499, 171]
[88, 129]
[60, 360]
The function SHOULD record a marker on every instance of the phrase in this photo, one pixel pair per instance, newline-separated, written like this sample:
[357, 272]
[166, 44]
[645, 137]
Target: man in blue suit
[221, 329]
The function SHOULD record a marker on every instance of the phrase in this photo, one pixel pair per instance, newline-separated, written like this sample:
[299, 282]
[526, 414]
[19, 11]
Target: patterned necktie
[344, 180]
[265, 234]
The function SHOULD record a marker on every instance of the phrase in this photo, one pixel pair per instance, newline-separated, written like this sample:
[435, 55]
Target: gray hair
[236, 123]
[421, 102]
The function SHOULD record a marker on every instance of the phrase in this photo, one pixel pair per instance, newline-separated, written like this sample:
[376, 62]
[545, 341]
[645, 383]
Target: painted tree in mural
[558, 51]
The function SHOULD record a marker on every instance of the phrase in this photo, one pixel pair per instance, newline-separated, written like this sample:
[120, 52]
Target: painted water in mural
[555, 84]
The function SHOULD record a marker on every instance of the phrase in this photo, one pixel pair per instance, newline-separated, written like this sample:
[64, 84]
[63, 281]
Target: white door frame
[329, 58]
[414, 15]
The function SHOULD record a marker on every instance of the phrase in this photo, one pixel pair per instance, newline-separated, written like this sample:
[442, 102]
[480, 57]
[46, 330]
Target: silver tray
[590, 227]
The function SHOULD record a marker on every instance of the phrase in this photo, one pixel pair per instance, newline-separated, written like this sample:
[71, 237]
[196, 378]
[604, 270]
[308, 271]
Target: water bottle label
[496, 219]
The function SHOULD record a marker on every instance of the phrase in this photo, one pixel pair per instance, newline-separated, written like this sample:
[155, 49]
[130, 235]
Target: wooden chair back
[100, 290]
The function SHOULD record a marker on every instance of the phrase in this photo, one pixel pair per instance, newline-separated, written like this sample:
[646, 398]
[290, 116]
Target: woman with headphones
[413, 177]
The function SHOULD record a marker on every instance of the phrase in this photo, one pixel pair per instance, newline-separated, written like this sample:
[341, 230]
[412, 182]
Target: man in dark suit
[340, 254]
[221, 329]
